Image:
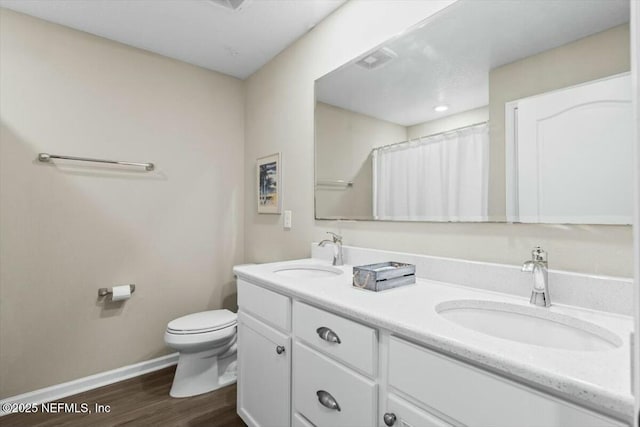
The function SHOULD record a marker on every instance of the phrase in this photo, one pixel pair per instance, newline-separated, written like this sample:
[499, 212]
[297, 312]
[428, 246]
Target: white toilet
[207, 345]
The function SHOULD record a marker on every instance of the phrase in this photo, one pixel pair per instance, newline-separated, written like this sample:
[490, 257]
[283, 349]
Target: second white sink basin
[529, 325]
[308, 271]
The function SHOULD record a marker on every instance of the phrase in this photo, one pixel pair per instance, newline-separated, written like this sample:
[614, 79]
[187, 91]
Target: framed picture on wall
[269, 173]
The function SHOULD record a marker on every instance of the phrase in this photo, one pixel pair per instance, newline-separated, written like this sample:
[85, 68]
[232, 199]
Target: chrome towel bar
[334, 183]
[45, 157]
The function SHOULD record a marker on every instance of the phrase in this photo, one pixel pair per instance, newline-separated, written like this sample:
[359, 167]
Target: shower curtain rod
[429, 136]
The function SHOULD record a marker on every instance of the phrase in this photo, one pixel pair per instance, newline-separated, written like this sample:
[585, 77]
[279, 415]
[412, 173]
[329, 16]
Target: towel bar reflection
[45, 157]
[334, 183]
[103, 292]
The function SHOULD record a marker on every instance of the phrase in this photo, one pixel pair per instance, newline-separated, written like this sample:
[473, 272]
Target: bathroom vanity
[315, 351]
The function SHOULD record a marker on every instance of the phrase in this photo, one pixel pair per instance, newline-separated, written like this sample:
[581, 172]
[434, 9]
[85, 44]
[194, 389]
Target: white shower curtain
[443, 177]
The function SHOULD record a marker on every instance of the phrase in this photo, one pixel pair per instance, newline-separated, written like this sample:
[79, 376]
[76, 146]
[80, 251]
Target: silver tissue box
[383, 276]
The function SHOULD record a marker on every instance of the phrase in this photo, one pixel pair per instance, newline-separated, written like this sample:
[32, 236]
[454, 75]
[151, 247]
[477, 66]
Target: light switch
[287, 220]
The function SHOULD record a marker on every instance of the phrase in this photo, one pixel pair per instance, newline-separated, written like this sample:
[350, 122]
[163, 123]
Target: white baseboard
[80, 385]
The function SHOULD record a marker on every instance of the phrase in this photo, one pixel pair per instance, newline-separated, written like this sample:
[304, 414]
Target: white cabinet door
[264, 373]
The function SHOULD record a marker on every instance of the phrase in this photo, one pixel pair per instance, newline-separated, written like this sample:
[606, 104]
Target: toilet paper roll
[121, 293]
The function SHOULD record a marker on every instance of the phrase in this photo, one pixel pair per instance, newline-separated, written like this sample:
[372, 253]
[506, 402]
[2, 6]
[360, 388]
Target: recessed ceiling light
[441, 108]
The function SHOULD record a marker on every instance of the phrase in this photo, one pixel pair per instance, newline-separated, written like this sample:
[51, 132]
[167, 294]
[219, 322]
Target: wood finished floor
[141, 401]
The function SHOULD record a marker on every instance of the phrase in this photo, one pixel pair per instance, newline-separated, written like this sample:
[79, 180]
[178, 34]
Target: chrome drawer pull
[327, 400]
[328, 335]
[389, 419]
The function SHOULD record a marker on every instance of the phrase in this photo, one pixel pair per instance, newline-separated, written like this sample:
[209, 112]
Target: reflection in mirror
[489, 111]
[569, 154]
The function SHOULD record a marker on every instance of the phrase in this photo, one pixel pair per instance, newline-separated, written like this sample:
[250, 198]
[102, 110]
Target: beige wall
[285, 85]
[279, 115]
[590, 58]
[69, 229]
[344, 141]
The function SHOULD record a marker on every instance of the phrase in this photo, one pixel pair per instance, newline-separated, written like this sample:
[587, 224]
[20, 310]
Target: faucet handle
[538, 254]
[336, 237]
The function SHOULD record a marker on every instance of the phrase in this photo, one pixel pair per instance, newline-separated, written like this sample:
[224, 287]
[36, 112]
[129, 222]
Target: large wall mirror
[494, 110]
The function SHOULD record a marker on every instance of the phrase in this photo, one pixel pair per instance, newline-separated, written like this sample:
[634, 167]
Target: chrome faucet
[337, 250]
[538, 266]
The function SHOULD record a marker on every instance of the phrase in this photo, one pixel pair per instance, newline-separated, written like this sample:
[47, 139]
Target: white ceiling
[199, 32]
[447, 60]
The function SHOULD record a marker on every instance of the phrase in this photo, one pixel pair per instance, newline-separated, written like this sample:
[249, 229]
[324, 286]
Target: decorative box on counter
[383, 275]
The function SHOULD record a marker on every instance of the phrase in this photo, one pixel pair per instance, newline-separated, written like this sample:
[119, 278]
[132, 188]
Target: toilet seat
[202, 322]
[200, 341]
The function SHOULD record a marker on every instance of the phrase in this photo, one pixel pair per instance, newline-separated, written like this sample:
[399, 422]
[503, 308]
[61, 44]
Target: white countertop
[597, 379]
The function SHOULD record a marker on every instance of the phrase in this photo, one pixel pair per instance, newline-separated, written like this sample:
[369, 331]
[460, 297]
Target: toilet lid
[205, 321]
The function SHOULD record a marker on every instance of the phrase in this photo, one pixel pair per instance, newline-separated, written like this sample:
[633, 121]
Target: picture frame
[269, 184]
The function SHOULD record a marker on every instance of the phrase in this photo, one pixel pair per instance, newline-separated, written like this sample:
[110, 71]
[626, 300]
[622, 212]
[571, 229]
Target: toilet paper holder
[103, 292]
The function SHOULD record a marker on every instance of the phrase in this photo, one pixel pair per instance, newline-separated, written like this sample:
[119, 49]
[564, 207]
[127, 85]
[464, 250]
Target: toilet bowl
[206, 342]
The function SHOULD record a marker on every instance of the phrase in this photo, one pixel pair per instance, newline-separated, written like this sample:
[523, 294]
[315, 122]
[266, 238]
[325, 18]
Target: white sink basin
[308, 271]
[529, 325]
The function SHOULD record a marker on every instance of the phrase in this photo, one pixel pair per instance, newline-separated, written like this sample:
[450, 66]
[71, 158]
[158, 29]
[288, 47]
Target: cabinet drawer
[353, 343]
[475, 397]
[267, 305]
[408, 415]
[314, 373]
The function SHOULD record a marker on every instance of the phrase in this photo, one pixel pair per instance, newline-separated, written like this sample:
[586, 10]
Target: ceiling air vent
[377, 59]
[230, 4]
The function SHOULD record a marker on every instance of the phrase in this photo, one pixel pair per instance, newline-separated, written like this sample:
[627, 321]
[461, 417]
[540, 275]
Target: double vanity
[315, 351]
[487, 111]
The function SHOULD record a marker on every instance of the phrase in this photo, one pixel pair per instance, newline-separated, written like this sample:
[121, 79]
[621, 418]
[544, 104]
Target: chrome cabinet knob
[280, 349]
[327, 400]
[389, 418]
[328, 335]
